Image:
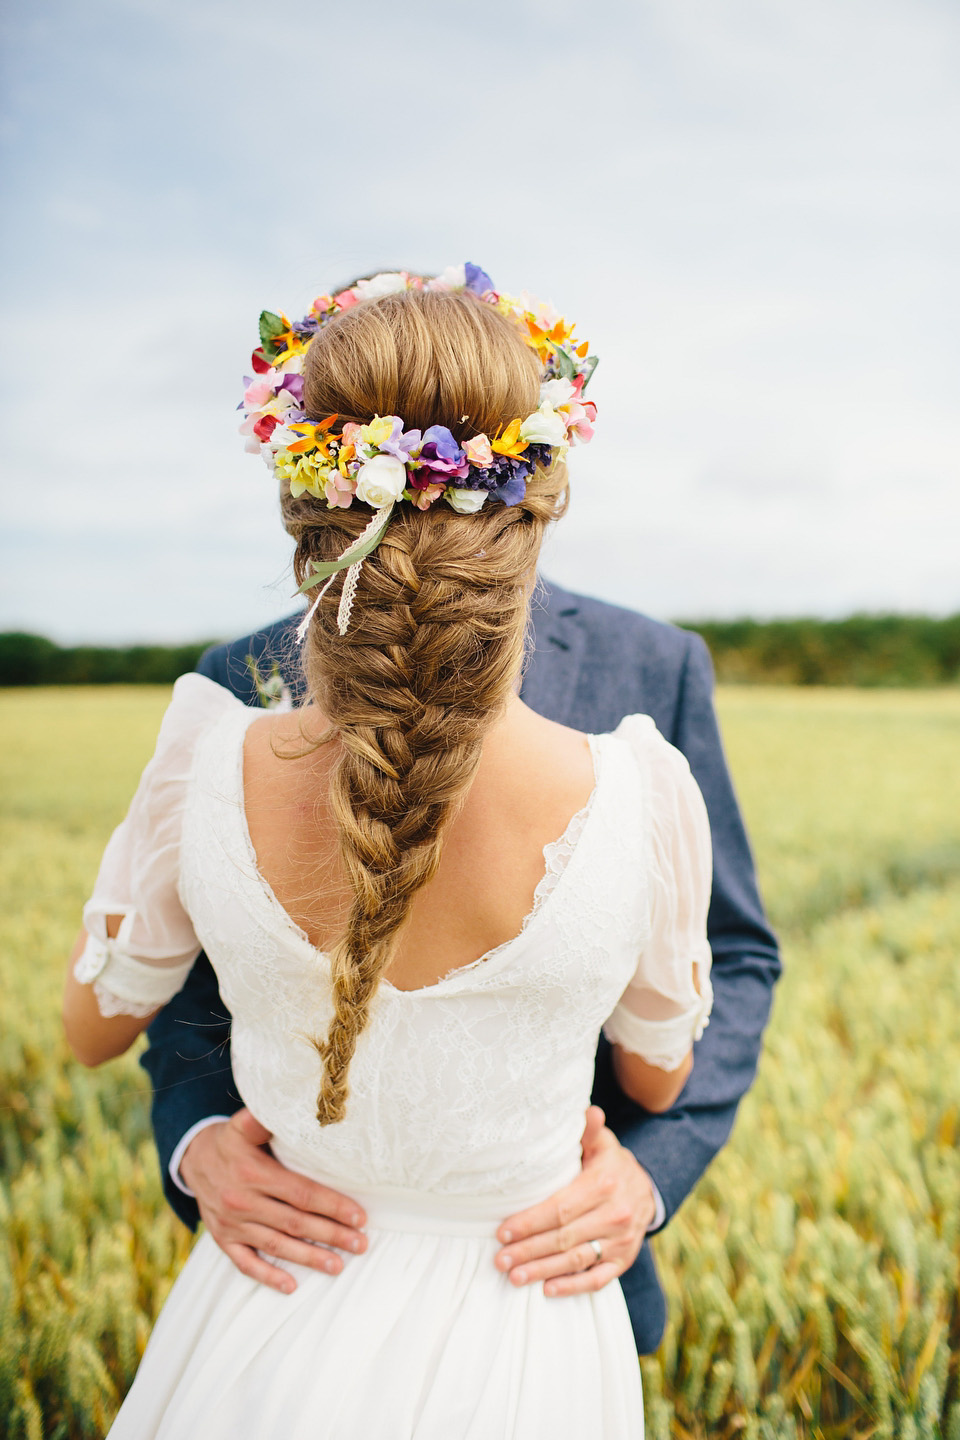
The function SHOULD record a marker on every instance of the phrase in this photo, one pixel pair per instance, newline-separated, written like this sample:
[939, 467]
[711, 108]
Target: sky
[749, 207]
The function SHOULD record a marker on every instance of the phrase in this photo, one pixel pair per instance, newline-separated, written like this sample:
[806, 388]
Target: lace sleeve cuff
[662, 1043]
[124, 985]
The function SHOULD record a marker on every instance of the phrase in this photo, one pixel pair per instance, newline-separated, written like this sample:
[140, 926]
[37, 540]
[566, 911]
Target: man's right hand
[250, 1202]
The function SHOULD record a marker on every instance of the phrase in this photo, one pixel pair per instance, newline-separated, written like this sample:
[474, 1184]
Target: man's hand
[611, 1201]
[249, 1202]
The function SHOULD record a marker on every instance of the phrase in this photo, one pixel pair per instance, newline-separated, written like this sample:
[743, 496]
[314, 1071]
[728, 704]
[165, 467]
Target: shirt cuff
[181, 1150]
[124, 985]
[659, 1213]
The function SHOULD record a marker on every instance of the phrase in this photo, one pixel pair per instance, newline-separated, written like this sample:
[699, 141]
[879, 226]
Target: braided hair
[437, 638]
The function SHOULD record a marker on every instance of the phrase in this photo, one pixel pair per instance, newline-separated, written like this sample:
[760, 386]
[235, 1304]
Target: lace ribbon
[351, 559]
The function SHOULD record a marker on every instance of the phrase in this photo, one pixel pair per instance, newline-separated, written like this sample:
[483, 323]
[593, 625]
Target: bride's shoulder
[661, 763]
[197, 702]
[196, 706]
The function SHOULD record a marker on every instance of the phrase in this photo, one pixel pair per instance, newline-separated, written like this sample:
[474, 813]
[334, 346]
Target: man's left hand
[611, 1201]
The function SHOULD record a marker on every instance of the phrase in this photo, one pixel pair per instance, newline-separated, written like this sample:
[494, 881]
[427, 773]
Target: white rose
[381, 480]
[556, 393]
[453, 278]
[378, 285]
[544, 427]
[465, 502]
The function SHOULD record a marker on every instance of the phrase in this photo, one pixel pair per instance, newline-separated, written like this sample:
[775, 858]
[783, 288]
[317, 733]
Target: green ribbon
[324, 568]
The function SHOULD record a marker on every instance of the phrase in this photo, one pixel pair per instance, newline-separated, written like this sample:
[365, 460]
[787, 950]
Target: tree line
[33, 660]
[888, 650]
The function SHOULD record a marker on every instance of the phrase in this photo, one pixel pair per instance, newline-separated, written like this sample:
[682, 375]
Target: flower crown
[381, 460]
[381, 463]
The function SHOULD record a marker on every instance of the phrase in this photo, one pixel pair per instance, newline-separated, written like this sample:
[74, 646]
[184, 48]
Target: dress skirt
[419, 1338]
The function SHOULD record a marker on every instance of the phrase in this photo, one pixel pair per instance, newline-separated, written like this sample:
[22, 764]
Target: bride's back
[533, 776]
[473, 1082]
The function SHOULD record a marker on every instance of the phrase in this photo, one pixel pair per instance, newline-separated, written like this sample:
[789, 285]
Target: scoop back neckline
[580, 820]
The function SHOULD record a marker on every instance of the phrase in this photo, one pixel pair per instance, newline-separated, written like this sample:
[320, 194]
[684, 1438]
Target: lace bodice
[478, 1084]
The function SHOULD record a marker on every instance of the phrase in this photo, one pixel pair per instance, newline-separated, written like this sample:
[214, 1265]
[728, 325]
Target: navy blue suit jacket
[589, 665]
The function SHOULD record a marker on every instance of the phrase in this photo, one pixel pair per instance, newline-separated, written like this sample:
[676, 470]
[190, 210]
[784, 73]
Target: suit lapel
[553, 665]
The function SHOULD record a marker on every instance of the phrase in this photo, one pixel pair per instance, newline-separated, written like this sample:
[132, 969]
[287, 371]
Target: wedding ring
[597, 1249]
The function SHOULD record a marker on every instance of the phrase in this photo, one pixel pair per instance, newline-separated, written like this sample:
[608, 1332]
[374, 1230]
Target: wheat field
[812, 1276]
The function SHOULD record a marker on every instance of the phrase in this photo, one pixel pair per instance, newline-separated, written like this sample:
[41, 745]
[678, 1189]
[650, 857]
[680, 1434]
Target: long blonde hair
[437, 636]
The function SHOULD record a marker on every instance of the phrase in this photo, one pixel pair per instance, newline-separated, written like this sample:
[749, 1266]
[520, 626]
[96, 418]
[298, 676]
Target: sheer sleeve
[148, 961]
[667, 1004]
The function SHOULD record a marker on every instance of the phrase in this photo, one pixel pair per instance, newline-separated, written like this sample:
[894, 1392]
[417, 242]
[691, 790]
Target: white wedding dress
[466, 1104]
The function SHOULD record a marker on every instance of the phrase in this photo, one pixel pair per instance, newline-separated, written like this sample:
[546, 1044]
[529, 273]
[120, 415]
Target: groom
[590, 664]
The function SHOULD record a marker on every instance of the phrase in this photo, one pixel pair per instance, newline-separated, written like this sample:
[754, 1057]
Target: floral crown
[381, 463]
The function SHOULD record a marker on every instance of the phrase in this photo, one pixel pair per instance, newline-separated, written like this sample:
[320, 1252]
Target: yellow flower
[284, 465]
[303, 473]
[292, 343]
[509, 443]
[379, 429]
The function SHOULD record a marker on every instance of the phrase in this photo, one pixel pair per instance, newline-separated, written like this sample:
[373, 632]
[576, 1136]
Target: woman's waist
[433, 1211]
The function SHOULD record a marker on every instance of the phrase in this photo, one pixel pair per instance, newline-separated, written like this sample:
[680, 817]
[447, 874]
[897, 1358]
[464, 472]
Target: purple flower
[400, 443]
[440, 454]
[477, 280]
[293, 383]
[512, 491]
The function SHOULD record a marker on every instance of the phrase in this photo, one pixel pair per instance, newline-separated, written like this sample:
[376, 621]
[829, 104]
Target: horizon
[693, 622]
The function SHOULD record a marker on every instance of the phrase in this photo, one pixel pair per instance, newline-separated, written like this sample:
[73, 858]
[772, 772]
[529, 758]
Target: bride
[422, 900]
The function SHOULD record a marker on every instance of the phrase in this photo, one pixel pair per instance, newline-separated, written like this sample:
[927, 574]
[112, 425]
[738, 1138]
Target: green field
[813, 1276]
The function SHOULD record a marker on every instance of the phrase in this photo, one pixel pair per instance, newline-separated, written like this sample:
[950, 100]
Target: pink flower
[351, 433]
[339, 490]
[478, 451]
[423, 499]
[580, 421]
[346, 299]
[258, 393]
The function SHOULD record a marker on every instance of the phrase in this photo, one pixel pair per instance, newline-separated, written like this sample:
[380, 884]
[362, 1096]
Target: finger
[248, 1262]
[302, 1225]
[316, 1199]
[579, 1197]
[599, 1224]
[260, 1171]
[593, 1279]
[299, 1252]
[595, 1121]
[571, 1262]
[250, 1128]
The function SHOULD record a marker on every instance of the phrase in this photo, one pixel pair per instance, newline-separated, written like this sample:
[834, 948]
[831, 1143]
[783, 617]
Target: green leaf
[324, 568]
[270, 327]
[592, 361]
[566, 364]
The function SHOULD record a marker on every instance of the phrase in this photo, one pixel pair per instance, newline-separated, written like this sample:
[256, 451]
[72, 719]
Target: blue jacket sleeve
[676, 1148]
[188, 1052]
[188, 1061]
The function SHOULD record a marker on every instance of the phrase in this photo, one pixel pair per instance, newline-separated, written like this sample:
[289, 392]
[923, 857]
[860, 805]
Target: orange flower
[315, 437]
